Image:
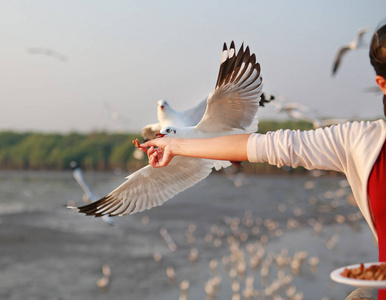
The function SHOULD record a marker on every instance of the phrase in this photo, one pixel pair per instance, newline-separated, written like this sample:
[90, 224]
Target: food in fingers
[136, 143]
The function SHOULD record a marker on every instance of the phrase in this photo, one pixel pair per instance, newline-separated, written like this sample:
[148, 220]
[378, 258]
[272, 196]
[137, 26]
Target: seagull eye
[168, 130]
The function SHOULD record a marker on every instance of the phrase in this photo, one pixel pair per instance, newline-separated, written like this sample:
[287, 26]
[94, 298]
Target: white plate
[335, 275]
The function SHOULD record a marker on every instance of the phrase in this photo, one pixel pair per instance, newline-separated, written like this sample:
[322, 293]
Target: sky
[111, 61]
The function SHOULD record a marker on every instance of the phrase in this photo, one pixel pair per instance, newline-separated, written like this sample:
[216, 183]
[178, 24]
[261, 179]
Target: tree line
[93, 151]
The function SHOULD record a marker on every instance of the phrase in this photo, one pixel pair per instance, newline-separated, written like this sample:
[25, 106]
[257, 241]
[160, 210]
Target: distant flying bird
[48, 52]
[301, 112]
[292, 109]
[167, 116]
[354, 45]
[89, 195]
[231, 109]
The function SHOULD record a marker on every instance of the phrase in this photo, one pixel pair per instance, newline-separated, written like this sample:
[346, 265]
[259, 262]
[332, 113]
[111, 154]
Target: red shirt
[377, 194]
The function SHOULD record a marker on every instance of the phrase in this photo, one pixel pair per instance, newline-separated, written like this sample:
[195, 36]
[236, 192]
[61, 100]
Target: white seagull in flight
[89, 195]
[354, 45]
[167, 116]
[231, 108]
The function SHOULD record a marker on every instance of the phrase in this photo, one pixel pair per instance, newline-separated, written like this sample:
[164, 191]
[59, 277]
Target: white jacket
[350, 148]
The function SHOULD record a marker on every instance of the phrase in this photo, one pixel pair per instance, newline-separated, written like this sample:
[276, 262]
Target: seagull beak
[162, 106]
[159, 135]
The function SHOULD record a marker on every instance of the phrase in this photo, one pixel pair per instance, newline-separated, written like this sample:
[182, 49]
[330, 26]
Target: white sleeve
[314, 149]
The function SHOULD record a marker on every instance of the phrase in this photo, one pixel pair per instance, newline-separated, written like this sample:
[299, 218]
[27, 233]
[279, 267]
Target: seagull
[354, 45]
[47, 52]
[89, 195]
[300, 112]
[167, 116]
[231, 109]
[292, 109]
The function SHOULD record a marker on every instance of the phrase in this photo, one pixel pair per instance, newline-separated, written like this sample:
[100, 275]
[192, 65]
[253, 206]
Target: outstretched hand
[159, 152]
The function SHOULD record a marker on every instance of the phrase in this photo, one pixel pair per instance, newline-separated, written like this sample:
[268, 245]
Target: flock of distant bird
[230, 109]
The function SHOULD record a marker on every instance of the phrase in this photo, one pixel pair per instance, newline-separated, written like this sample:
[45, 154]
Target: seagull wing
[338, 58]
[150, 187]
[360, 34]
[233, 104]
[193, 115]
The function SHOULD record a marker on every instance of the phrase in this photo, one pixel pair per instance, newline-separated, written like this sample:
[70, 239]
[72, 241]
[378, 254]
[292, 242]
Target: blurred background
[79, 79]
[85, 65]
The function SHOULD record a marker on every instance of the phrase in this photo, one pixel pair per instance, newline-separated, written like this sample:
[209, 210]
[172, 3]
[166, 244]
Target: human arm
[329, 148]
[333, 148]
[230, 147]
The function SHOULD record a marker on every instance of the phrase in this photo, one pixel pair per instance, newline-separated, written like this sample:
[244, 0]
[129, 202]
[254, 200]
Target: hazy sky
[121, 57]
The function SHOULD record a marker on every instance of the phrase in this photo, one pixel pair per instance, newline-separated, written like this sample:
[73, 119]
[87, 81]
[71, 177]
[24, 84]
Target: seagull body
[230, 109]
[167, 116]
[354, 45]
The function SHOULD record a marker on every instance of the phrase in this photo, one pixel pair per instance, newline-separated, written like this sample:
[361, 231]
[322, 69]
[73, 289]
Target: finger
[150, 151]
[167, 157]
[147, 144]
[151, 160]
[154, 160]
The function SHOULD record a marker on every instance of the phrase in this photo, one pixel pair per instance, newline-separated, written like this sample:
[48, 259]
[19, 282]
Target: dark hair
[378, 55]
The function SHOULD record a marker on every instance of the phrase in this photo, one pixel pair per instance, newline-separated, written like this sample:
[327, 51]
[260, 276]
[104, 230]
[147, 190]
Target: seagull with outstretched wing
[230, 109]
[354, 45]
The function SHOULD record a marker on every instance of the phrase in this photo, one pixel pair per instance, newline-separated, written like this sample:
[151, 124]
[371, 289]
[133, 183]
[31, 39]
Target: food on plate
[373, 272]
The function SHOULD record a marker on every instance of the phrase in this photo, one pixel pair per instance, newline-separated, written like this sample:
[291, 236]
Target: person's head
[378, 59]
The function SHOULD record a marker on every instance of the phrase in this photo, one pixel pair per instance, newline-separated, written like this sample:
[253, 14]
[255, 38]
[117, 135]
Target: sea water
[233, 234]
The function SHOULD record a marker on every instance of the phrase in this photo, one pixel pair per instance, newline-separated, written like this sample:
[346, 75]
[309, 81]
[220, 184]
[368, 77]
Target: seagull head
[162, 104]
[168, 131]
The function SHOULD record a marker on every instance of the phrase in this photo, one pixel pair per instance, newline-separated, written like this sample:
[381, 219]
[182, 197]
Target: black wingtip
[224, 47]
[241, 48]
[92, 208]
[247, 52]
